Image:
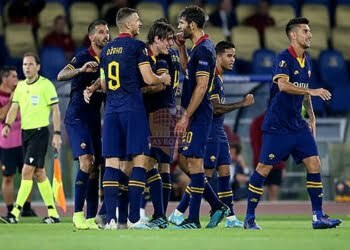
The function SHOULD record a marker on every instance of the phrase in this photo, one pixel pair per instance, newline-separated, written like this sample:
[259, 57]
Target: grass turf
[279, 232]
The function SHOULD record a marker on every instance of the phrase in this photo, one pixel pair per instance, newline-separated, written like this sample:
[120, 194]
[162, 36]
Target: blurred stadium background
[330, 54]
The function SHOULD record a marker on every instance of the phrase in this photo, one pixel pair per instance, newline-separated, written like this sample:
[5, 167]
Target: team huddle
[138, 82]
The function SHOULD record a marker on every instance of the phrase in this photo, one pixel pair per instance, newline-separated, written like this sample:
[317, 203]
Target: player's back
[284, 110]
[201, 62]
[120, 61]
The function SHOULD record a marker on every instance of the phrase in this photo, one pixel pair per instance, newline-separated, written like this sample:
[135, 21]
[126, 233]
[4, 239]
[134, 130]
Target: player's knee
[263, 169]
[313, 164]
[126, 167]
[224, 170]
[113, 163]
[209, 172]
[27, 172]
[86, 163]
[8, 180]
[163, 168]
[150, 163]
[195, 165]
[40, 175]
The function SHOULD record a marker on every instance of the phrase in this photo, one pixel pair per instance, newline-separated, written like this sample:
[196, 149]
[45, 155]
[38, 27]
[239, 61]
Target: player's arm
[56, 118]
[69, 71]
[87, 93]
[152, 79]
[10, 118]
[198, 94]
[180, 41]
[4, 110]
[151, 89]
[285, 86]
[310, 111]
[223, 108]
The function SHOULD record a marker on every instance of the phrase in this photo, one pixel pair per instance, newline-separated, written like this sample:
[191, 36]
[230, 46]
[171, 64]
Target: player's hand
[248, 100]
[57, 142]
[179, 39]
[87, 94]
[312, 125]
[91, 66]
[321, 92]
[5, 131]
[181, 125]
[166, 79]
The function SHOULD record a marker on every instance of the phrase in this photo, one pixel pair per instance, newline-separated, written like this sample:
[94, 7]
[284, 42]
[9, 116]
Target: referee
[35, 97]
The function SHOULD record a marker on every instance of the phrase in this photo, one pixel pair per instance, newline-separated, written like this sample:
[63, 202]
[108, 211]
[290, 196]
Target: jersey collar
[201, 39]
[217, 73]
[301, 60]
[122, 35]
[150, 53]
[93, 54]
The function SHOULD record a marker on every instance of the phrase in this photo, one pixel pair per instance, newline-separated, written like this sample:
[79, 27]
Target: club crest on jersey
[83, 145]
[212, 158]
[271, 156]
[282, 64]
[296, 72]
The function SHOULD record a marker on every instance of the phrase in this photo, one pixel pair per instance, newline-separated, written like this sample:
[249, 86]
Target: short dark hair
[194, 14]
[124, 13]
[161, 20]
[92, 26]
[222, 46]
[162, 30]
[295, 22]
[5, 71]
[36, 57]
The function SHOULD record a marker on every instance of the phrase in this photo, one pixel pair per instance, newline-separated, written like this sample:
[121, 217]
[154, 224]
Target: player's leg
[7, 189]
[46, 193]
[272, 152]
[126, 168]
[138, 145]
[226, 196]
[306, 151]
[92, 196]
[113, 148]
[82, 149]
[164, 171]
[154, 182]
[218, 209]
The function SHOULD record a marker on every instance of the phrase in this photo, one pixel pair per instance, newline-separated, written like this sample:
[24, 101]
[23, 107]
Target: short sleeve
[214, 90]
[281, 68]
[162, 67]
[142, 55]
[75, 63]
[50, 94]
[16, 95]
[204, 63]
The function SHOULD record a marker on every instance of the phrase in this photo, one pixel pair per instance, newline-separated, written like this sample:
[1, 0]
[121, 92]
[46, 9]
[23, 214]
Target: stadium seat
[317, 14]
[291, 3]
[149, 12]
[319, 41]
[113, 31]
[215, 34]
[253, 2]
[243, 11]
[276, 39]
[342, 14]
[105, 7]
[263, 61]
[246, 40]
[340, 40]
[325, 2]
[78, 33]
[333, 70]
[174, 12]
[19, 39]
[339, 104]
[83, 13]
[282, 14]
[49, 13]
[50, 68]
[318, 106]
[143, 33]
[343, 1]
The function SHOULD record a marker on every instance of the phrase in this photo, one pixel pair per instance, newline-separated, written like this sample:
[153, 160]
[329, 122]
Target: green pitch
[279, 232]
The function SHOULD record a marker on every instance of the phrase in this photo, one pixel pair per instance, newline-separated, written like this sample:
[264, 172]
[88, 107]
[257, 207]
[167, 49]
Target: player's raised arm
[180, 41]
[223, 108]
[69, 71]
[152, 79]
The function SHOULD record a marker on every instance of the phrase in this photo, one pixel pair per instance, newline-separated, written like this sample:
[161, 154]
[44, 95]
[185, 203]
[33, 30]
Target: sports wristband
[57, 132]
